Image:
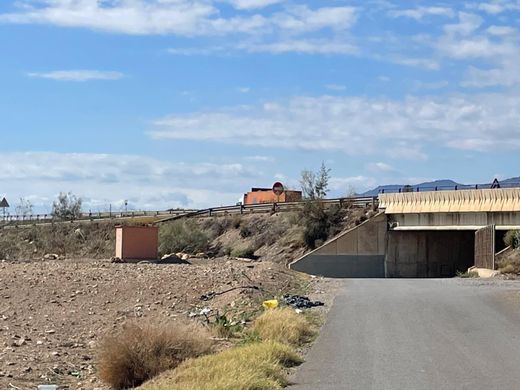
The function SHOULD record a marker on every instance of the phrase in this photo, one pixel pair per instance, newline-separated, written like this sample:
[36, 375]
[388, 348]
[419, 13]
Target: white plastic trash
[47, 387]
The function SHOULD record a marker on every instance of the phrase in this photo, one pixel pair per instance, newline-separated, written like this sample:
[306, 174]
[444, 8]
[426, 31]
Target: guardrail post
[241, 209]
[209, 212]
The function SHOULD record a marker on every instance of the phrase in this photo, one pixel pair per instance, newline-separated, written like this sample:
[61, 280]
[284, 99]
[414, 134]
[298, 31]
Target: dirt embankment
[277, 237]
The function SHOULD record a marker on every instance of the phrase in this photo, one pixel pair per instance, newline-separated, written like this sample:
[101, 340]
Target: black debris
[300, 302]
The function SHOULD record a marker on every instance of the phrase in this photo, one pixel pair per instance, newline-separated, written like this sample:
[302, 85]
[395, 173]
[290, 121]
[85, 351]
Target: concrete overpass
[421, 234]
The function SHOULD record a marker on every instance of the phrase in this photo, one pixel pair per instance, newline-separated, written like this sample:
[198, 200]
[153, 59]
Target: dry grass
[141, 352]
[284, 326]
[510, 263]
[258, 366]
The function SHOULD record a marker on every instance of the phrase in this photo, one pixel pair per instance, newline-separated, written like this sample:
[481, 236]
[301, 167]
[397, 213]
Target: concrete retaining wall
[357, 253]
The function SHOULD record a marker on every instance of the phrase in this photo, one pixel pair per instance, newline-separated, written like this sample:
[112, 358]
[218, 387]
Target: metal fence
[507, 184]
[85, 217]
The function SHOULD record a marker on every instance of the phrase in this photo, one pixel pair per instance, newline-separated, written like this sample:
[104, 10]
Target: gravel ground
[54, 313]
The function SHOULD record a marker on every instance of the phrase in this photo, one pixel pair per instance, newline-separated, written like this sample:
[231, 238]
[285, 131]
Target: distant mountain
[431, 185]
[513, 180]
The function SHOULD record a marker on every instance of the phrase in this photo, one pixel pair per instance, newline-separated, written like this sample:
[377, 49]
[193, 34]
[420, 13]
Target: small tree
[67, 207]
[317, 219]
[315, 185]
[24, 207]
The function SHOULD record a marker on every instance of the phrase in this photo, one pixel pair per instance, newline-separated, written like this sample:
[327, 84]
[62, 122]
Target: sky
[189, 103]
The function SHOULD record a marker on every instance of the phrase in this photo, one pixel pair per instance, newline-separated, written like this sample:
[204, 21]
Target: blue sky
[188, 103]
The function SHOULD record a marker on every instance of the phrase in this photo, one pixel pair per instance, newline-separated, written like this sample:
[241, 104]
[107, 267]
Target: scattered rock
[172, 259]
[51, 256]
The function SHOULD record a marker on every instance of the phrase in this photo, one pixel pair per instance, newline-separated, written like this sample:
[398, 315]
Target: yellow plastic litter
[271, 304]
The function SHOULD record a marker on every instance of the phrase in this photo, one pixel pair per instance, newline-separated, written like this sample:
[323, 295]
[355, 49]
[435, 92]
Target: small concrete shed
[137, 242]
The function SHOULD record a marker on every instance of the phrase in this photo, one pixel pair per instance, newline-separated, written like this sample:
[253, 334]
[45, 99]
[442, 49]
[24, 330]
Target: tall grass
[284, 326]
[257, 366]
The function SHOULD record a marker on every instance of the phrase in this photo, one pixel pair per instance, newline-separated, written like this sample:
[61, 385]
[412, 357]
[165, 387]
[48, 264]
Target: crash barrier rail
[366, 201]
[487, 186]
[49, 218]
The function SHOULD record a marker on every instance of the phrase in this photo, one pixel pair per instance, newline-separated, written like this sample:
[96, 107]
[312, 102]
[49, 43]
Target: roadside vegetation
[182, 236]
[257, 360]
[509, 261]
[142, 351]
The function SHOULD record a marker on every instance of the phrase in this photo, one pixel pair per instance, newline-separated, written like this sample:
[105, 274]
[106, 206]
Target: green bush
[512, 238]
[320, 223]
[182, 236]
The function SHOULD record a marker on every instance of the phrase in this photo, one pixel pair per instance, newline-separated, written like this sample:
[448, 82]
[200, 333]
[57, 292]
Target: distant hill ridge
[439, 184]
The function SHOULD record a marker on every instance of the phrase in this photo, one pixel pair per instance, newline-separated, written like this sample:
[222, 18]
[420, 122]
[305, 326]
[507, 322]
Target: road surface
[401, 334]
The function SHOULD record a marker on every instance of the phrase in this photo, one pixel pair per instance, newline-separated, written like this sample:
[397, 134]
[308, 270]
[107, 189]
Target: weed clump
[468, 274]
[284, 326]
[141, 352]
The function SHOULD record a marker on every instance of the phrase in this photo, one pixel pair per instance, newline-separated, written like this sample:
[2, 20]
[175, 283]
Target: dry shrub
[140, 352]
[510, 265]
[284, 326]
[257, 366]
[512, 238]
[182, 235]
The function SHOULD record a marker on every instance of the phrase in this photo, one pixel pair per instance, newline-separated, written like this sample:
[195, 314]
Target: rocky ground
[53, 313]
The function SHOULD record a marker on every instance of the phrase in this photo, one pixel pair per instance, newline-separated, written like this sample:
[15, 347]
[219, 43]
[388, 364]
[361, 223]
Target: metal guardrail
[451, 188]
[367, 201]
[85, 217]
[10, 220]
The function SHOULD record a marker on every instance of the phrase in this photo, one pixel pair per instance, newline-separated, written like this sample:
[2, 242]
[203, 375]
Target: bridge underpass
[417, 235]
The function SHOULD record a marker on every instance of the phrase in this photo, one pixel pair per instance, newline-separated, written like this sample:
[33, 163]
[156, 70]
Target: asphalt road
[404, 334]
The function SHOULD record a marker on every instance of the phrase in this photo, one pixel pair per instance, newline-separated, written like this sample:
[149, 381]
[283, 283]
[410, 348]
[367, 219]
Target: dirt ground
[54, 313]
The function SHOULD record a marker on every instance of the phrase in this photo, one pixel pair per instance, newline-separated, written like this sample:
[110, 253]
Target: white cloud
[358, 125]
[261, 158]
[180, 17]
[496, 7]
[508, 75]
[103, 178]
[502, 30]
[336, 87]
[303, 46]
[380, 167]
[342, 186]
[491, 8]
[243, 89]
[468, 23]
[420, 12]
[78, 75]
[252, 4]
